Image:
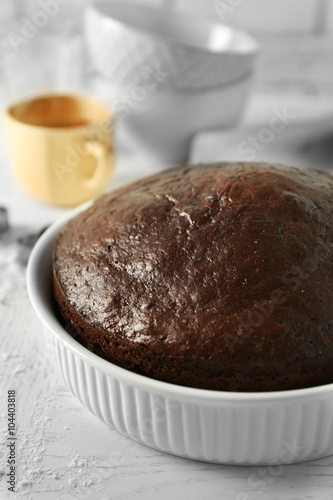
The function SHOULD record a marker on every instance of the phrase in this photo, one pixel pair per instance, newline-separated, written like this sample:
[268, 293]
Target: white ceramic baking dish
[223, 427]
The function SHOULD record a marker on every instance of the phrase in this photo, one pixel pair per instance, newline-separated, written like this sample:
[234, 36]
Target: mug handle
[102, 152]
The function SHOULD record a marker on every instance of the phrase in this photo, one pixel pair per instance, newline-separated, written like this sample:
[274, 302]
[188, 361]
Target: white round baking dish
[213, 426]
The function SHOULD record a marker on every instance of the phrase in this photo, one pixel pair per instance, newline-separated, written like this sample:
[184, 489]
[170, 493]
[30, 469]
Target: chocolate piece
[217, 277]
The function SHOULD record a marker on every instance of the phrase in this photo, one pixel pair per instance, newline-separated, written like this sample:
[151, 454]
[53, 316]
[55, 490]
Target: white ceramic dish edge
[213, 426]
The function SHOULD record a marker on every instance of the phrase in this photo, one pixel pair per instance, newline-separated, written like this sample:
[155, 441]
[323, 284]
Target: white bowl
[162, 123]
[126, 42]
[213, 426]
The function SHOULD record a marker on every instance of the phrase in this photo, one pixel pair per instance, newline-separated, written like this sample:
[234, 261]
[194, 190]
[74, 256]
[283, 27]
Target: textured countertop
[63, 451]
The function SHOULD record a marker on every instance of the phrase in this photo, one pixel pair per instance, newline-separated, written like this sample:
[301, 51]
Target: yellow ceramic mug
[61, 147]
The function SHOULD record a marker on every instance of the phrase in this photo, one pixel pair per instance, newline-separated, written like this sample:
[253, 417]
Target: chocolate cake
[217, 277]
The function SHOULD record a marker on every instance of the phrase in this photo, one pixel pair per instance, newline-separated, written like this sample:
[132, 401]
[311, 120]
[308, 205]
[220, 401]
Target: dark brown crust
[216, 277]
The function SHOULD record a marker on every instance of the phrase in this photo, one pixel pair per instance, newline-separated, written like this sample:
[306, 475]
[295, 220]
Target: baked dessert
[217, 277]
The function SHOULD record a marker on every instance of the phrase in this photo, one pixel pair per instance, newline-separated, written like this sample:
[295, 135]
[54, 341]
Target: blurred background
[296, 42]
[47, 45]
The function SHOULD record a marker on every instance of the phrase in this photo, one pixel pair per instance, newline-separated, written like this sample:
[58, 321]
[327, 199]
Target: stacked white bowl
[168, 74]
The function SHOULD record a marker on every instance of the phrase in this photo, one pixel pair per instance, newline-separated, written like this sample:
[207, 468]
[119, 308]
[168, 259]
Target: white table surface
[64, 452]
